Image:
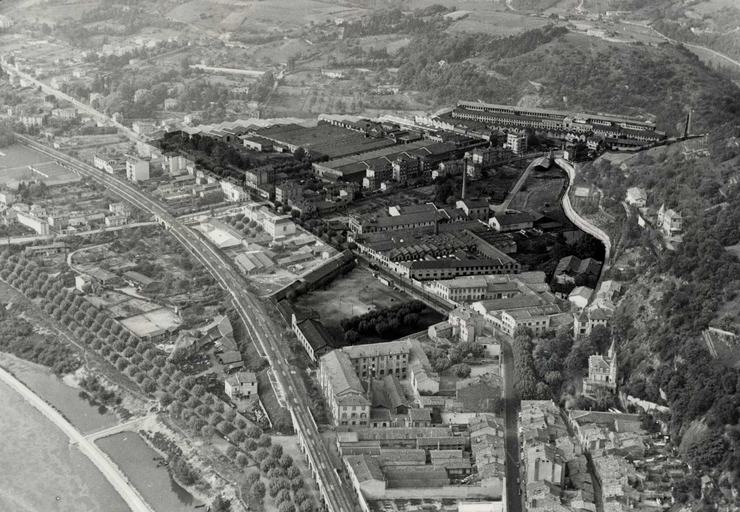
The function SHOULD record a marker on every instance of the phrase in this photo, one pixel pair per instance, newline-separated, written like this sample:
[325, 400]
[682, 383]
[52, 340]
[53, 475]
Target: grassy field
[541, 190]
[496, 23]
[354, 294]
[264, 16]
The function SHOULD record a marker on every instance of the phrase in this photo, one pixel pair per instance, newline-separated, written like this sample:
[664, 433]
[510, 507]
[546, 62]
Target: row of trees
[186, 400]
[384, 322]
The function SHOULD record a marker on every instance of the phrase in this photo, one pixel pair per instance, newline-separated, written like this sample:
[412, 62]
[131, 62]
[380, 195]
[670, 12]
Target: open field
[496, 23]
[391, 42]
[541, 190]
[265, 16]
[357, 293]
[19, 156]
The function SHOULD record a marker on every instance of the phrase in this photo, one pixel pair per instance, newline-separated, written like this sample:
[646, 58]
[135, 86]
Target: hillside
[578, 72]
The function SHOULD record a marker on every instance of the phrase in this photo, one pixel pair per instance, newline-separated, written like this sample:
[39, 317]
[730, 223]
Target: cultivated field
[252, 16]
[497, 23]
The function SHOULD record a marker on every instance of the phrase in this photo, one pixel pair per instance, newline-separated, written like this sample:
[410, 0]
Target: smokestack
[688, 124]
[465, 176]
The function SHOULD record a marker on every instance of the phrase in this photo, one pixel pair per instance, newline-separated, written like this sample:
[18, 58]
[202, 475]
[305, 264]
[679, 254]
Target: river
[134, 457]
[39, 465]
[49, 467]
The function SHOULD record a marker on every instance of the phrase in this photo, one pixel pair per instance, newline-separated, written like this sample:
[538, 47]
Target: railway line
[259, 326]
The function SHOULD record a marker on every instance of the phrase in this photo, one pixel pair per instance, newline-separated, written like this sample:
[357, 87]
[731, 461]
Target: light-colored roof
[338, 369]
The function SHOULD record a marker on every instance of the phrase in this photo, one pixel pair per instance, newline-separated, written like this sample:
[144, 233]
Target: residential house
[241, 385]
[573, 270]
[636, 197]
[670, 222]
[142, 282]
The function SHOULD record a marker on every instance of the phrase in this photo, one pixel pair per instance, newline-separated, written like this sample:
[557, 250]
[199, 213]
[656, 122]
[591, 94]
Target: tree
[276, 451]
[260, 455]
[286, 461]
[220, 504]
[462, 370]
[296, 483]
[258, 490]
[264, 441]
[293, 472]
[252, 477]
[278, 485]
[267, 464]
[282, 496]
[242, 459]
[207, 432]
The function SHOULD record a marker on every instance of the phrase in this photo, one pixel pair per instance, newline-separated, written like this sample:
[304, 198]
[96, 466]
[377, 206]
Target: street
[511, 409]
[263, 332]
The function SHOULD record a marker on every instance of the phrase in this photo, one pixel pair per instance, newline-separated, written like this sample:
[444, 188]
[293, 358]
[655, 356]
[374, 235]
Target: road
[542, 161]
[83, 107]
[109, 470]
[733, 61]
[511, 440]
[252, 311]
[580, 222]
[39, 238]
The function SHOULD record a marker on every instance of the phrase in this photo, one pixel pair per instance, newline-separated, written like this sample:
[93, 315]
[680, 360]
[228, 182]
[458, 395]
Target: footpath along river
[41, 465]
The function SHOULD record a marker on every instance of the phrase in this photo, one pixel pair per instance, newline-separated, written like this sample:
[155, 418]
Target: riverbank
[42, 470]
[130, 495]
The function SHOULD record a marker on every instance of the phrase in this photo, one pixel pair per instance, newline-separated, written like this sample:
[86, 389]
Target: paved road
[83, 107]
[733, 61]
[39, 238]
[252, 311]
[511, 410]
[109, 470]
[542, 161]
[582, 223]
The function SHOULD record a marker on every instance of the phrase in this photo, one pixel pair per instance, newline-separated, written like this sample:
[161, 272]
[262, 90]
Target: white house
[241, 385]
[636, 197]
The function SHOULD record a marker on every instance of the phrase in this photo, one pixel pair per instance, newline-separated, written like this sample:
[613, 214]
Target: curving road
[110, 471]
[582, 223]
[252, 311]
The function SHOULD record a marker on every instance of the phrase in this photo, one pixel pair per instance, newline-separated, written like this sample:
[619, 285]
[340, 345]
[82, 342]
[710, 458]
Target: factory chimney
[688, 124]
[465, 177]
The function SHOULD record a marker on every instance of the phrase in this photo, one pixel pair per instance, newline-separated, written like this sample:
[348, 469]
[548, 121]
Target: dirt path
[119, 482]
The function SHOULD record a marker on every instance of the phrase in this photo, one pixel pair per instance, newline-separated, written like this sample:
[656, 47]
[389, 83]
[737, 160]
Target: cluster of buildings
[219, 333]
[381, 367]
[554, 469]
[400, 435]
[500, 304]
[597, 130]
[47, 220]
[668, 221]
[463, 464]
[322, 199]
[631, 469]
